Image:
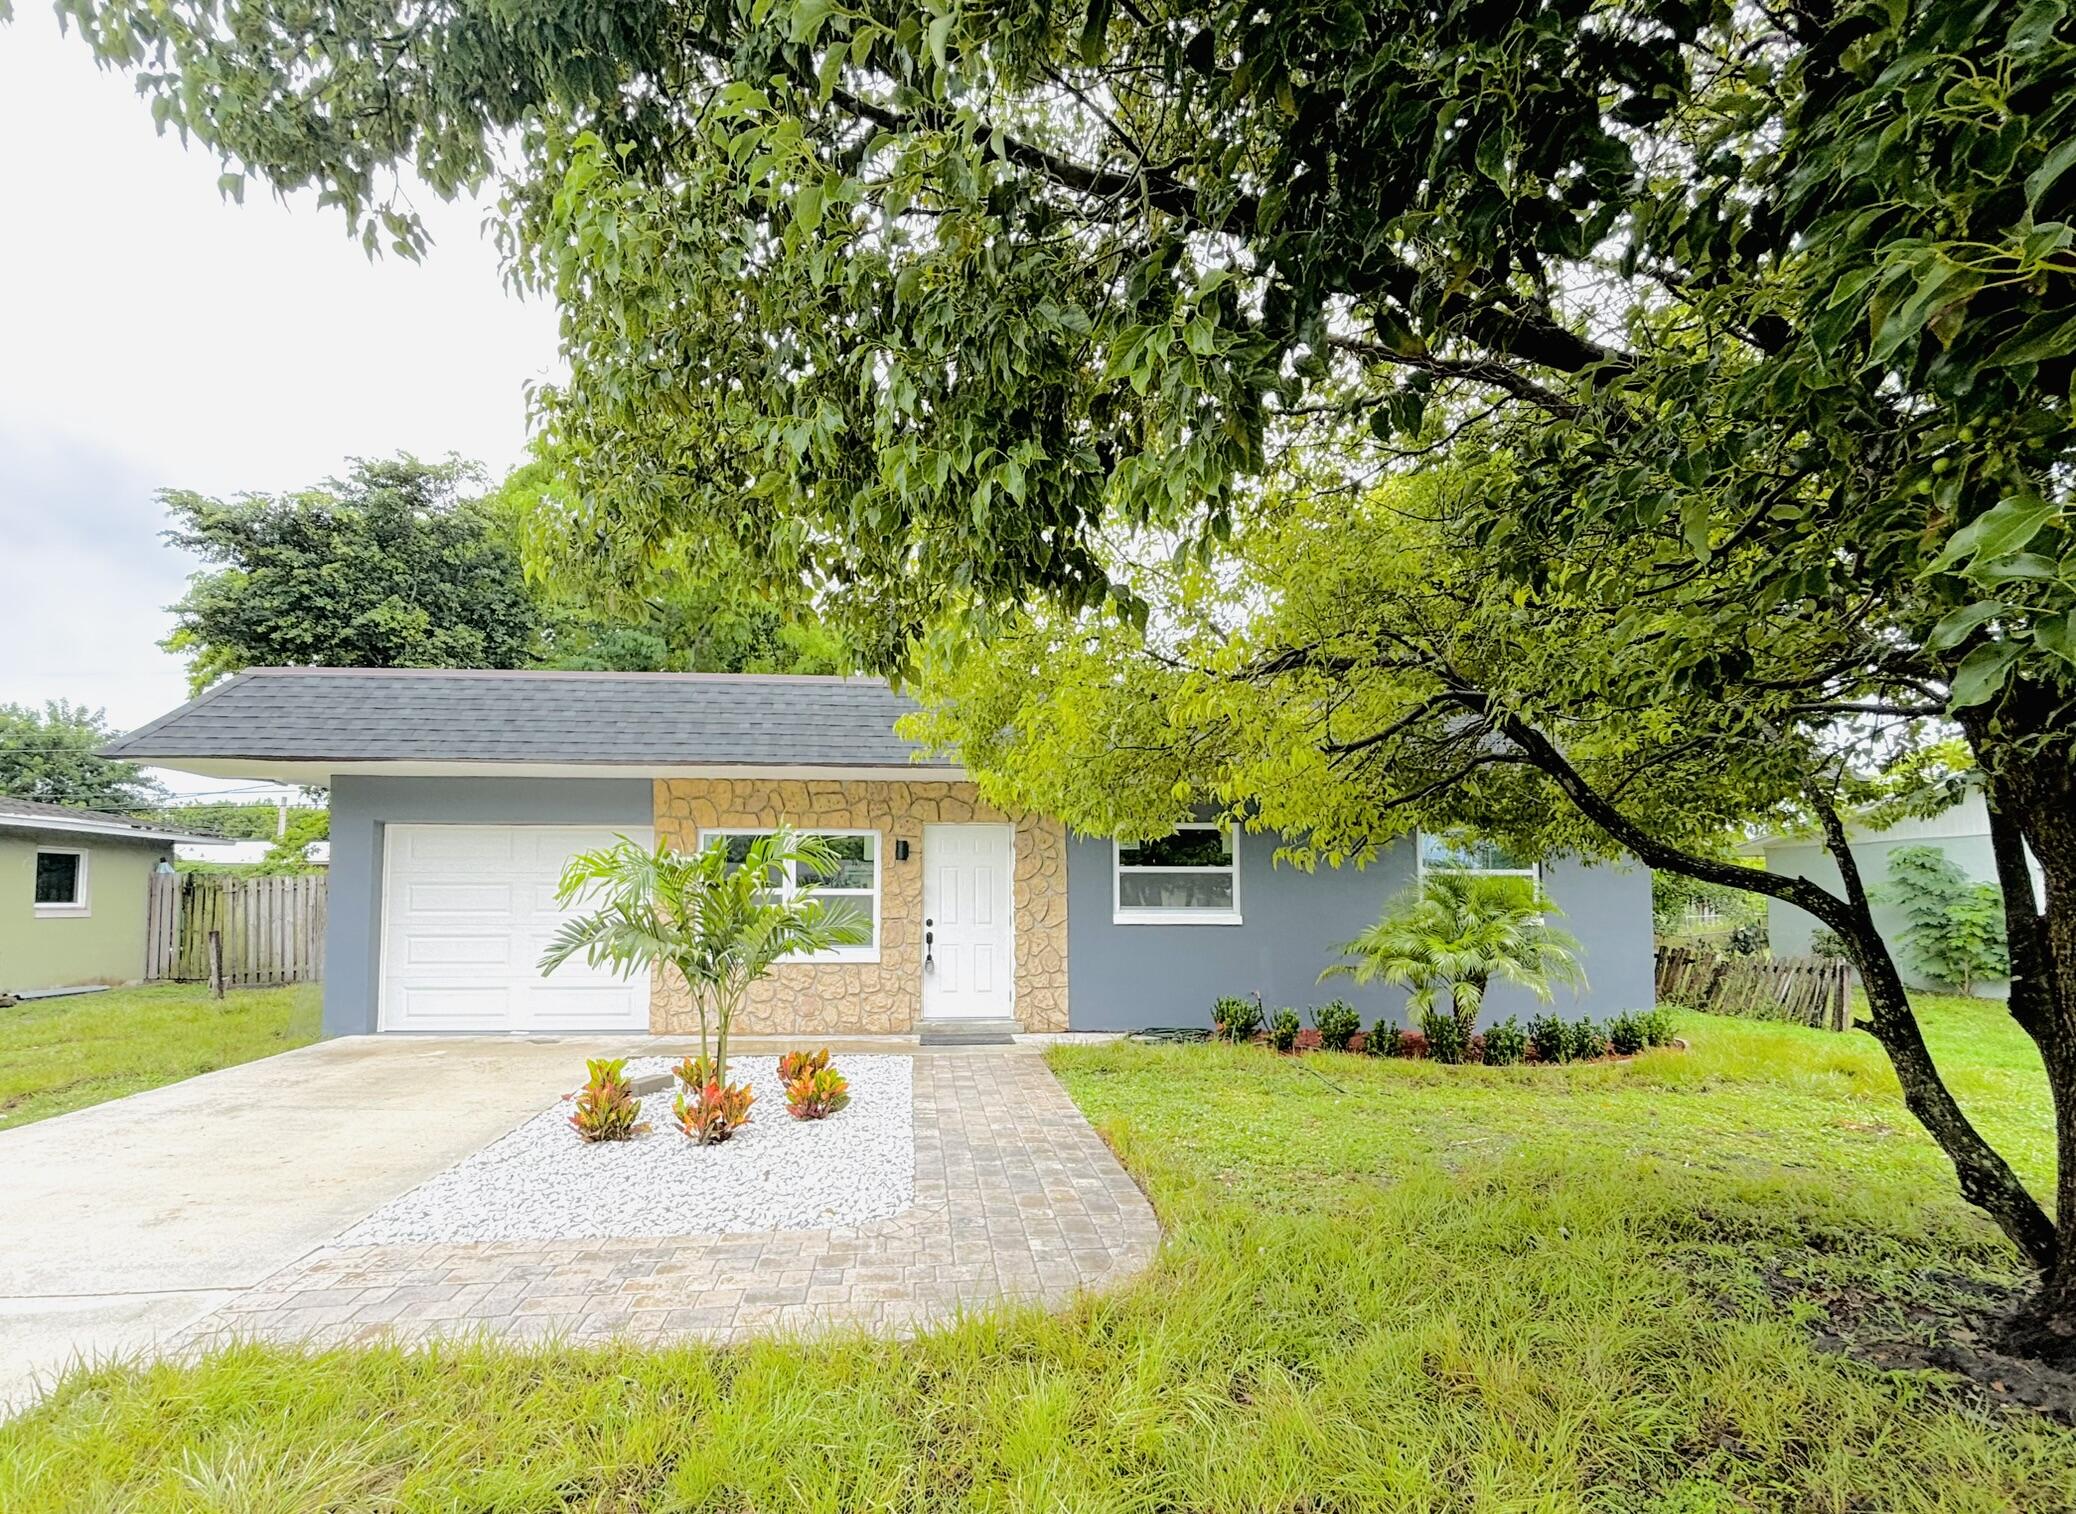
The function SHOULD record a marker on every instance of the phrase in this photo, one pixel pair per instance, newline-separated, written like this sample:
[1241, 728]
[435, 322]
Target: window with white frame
[61, 881]
[852, 881]
[1189, 878]
[1486, 859]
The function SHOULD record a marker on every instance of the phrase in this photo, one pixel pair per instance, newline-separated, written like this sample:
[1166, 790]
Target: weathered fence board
[272, 927]
[1807, 990]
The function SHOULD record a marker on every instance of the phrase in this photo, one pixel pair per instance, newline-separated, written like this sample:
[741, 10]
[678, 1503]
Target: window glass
[1159, 890]
[849, 883]
[1191, 873]
[1191, 847]
[57, 878]
[1471, 856]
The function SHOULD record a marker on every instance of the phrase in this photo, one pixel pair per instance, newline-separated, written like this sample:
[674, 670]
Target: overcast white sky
[155, 336]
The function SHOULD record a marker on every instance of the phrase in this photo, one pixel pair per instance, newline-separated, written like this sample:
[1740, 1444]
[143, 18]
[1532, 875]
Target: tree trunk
[2041, 797]
[2031, 793]
[1986, 1179]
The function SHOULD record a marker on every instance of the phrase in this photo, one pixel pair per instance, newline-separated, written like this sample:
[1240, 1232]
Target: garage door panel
[468, 912]
[422, 949]
[421, 899]
[454, 1007]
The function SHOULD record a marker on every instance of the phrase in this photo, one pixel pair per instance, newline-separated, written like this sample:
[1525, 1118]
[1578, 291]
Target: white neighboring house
[246, 853]
[1962, 833]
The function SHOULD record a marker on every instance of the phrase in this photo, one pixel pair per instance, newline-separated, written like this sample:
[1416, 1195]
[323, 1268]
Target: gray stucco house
[457, 796]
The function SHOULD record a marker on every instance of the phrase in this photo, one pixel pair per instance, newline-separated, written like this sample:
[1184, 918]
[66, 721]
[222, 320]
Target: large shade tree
[927, 301]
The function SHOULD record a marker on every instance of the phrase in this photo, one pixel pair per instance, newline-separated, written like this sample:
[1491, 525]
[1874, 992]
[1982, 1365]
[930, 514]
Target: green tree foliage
[1772, 309]
[48, 755]
[389, 567]
[1453, 934]
[690, 611]
[257, 821]
[1955, 925]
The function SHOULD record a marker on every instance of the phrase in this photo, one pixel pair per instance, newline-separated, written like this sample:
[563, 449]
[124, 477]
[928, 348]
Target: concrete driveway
[123, 1224]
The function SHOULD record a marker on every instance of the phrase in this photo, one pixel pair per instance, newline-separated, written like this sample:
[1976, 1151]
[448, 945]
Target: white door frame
[1009, 923]
[645, 834]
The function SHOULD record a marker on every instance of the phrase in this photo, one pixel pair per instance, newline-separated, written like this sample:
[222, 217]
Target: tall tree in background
[693, 609]
[389, 567]
[48, 755]
[1774, 307]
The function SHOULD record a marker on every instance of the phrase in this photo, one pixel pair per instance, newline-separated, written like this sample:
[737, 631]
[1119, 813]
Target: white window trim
[1533, 872]
[869, 952]
[1120, 915]
[82, 903]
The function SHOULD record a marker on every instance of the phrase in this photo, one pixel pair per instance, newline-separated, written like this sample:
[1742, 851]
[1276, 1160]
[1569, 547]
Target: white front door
[970, 969]
[467, 911]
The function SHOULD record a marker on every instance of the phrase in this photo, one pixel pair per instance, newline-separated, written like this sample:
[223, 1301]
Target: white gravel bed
[540, 1182]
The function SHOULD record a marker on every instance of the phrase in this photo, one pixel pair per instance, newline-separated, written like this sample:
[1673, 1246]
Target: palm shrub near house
[1283, 1029]
[607, 1109]
[720, 923]
[1237, 1018]
[1452, 935]
[1337, 1022]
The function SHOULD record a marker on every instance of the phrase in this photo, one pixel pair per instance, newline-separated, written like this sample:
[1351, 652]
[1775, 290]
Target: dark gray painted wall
[361, 807]
[1122, 977]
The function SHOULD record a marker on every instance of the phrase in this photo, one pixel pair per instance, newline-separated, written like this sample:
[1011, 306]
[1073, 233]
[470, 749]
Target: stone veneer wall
[852, 998]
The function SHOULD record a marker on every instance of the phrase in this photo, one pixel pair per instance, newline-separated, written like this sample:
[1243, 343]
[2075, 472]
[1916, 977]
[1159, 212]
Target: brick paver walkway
[1016, 1198]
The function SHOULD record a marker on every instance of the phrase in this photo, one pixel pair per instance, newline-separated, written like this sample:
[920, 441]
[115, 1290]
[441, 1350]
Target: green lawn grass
[60, 1054]
[1386, 1285]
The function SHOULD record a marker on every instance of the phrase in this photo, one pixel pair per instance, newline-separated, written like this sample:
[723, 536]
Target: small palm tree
[1451, 936]
[719, 923]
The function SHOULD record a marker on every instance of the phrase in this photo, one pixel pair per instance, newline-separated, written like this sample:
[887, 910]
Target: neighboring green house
[74, 889]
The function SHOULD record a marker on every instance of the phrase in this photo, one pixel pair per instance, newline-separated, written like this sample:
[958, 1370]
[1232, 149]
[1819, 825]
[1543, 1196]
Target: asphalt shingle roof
[409, 715]
[47, 816]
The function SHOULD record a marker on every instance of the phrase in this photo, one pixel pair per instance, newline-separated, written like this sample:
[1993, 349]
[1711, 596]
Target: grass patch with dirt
[1386, 1285]
[67, 1053]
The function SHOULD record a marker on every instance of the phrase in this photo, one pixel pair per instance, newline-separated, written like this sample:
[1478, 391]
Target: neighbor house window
[852, 880]
[61, 883]
[1189, 878]
[1487, 859]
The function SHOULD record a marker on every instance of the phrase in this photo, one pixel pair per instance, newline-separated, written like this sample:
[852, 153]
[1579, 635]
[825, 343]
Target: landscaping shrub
[1446, 1041]
[1657, 1027]
[1625, 1034]
[714, 1113]
[1337, 1022]
[1505, 1043]
[1583, 1041]
[607, 1109]
[1283, 1029]
[1385, 1039]
[817, 1092]
[1238, 1019]
[1548, 1039]
[795, 1065]
[694, 1072]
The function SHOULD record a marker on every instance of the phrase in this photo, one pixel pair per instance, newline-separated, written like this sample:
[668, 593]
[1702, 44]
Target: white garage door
[467, 911]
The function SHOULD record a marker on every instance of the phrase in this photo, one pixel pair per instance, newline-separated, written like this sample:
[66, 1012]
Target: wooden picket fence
[1807, 990]
[261, 930]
